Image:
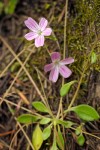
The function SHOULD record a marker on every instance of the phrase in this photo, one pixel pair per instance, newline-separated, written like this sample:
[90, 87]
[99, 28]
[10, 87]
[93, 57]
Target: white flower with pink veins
[38, 31]
[58, 66]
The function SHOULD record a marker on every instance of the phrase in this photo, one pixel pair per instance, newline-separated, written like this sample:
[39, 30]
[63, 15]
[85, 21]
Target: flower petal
[31, 24]
[65, 71]
[30, 36]
[48, 67]
[67, 61]
[43, 23]
[55, 56]
[47, 32]
[54, 74]
[39, 41]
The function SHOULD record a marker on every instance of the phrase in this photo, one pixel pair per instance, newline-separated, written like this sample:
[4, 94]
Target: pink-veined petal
[39, 41]
[65, 71]
[54, 74]
[43, 23]
[30, 36]
[67, 61]
[48, 67]
[55, 56]
[47, 32]
[31, 24]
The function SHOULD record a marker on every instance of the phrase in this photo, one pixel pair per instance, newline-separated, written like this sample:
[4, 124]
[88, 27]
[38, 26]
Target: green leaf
[60, 140]
[47, 132]
[10, 8]
[67, 124]
[66, 87]
[27, 118]
[86, 112]
[93, 58]
[37, 138]
[45, 120]
[81, 140]
[39, 106]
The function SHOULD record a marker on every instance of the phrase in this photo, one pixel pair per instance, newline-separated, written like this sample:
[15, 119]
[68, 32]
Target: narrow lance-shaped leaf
[60, 140]
[86, 112]
[27, 118]
[66, 87]
[40, 106]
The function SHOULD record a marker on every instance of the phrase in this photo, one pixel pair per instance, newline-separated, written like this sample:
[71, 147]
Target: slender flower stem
[44, 94]
[64, 53]
[47, 50]
[65, 29]
[75, 95]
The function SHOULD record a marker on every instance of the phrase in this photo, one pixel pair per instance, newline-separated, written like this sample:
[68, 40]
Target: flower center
[56, 63]
[39, 32]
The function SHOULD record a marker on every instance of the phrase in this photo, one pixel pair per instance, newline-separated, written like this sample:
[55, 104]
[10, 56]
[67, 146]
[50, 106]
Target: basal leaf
[46, 132]
[39, 106]
[81, 140]
[37, 138]
[27, 118]
[86, 112]
[60, 139]
[45, 120]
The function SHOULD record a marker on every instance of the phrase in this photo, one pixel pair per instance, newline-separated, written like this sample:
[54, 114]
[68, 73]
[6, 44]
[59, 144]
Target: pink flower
[58, 66]
[38, 31]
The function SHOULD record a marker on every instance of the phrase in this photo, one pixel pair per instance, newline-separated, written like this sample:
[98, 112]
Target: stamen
[39, 32]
